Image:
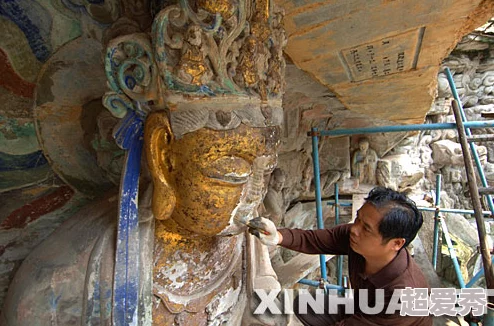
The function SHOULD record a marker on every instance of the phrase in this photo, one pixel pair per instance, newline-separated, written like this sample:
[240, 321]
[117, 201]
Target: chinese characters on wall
[384, 57]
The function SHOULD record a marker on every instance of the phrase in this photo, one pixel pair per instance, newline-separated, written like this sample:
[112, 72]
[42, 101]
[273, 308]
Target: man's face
[365, 238]
[210, 170]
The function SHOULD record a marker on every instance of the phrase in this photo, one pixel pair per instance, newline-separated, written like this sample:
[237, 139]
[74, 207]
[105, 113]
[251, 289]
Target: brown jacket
[401, 272]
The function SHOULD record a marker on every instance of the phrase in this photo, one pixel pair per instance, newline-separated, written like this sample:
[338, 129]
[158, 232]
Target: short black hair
[401, 219]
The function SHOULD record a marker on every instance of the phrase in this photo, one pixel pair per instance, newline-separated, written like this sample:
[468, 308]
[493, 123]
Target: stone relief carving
[273, 201]
[398, 172]
[212, 129]
[192, 67]
[234, 48]
[447, 152]
[364, 163]
[105, 12]
[425, 151]
[475, 85]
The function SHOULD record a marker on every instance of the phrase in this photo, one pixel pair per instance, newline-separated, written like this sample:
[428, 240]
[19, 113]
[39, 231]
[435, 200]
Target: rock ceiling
[379, 57]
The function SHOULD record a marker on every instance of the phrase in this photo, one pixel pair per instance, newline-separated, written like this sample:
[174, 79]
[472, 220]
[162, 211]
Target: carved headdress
[216, 65]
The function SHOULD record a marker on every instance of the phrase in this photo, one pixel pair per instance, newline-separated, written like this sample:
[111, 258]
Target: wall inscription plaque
[390, 55]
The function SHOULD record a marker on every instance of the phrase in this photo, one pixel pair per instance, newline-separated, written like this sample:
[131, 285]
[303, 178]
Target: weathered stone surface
[66, 117]
[398, 172]
[421, 258]
[297, 268]
[426, 233]
[489, 172]
[274, 203]
[397, 54]
[348, 186]
[297, 167]
[440, 106]
[465, 242]
[384, 142]
[447, 152]
[334, 154]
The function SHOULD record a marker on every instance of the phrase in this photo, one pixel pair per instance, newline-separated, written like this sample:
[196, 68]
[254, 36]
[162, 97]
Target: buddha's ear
[158, 138]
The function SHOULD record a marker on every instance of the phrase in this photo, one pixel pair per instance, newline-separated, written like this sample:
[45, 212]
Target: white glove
[265, 230]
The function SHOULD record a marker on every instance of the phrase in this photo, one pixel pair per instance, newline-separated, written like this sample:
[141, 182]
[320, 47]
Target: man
[374, 243]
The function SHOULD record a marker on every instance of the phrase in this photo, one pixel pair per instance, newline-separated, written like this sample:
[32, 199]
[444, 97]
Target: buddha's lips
[232, 178]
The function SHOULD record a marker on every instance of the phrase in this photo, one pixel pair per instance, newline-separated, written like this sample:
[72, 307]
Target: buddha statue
[171, 248]
[364, 163]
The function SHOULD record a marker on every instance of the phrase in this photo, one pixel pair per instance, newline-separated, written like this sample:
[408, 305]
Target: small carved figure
[275, 73]
[307, 176]
[274, 202]
[192, 67]
[247, 73]
[364, 163]
[232, 58]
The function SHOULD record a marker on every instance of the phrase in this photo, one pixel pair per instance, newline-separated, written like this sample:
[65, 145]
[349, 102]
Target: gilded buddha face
[209, 175]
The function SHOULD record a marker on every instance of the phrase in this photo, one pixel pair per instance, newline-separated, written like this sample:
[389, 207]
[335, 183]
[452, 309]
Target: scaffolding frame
[463, 128]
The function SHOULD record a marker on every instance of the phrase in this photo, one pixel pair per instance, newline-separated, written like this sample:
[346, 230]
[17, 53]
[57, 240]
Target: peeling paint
[31, 212]
[18, 136]
[221, 305]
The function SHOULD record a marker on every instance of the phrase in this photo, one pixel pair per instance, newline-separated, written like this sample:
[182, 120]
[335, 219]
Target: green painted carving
[117, 104]
[220, 48]
[17, 138]
[129, 67]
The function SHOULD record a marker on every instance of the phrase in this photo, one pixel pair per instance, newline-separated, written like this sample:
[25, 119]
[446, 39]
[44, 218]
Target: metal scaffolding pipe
[452, 210]
[452, 253]
[317, 184]
[341, 204]
[436, 222]
[399, 128]
[477, 276]
[474, 196]
[317, 284]
[473, 147]
[339, 261]
[463, 133]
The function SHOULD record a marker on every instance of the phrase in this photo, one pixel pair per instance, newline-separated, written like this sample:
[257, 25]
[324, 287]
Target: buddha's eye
[229, 169]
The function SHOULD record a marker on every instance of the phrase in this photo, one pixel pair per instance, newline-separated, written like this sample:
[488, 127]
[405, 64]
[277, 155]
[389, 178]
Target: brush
[252, 226]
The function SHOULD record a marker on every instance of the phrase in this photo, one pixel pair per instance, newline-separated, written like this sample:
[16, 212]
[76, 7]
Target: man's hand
[265, 230]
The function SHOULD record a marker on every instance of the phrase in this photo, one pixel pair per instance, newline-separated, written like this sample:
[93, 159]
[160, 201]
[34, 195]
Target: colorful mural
[56, 148]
